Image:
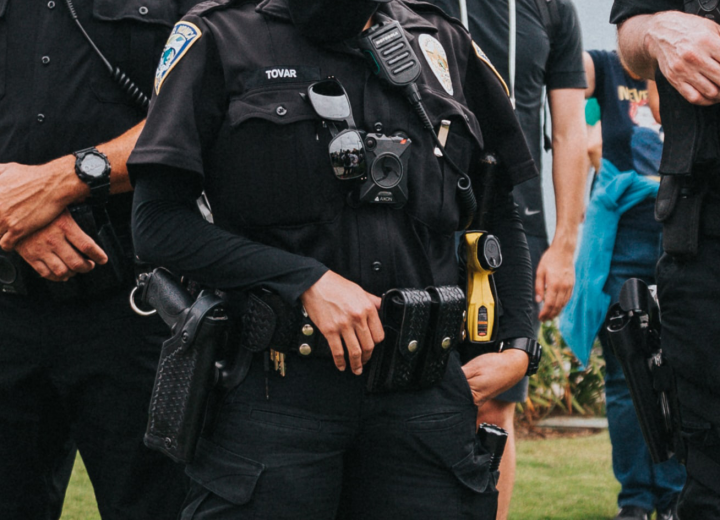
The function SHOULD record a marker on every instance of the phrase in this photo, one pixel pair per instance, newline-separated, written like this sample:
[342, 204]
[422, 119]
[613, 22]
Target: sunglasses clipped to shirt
[381, 159]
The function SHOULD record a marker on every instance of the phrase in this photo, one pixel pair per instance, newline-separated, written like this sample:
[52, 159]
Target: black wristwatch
[531, 347]
[93, 168]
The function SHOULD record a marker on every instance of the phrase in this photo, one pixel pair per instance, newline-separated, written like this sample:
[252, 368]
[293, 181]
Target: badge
[436, 57]
[486, 60]
[183, 36]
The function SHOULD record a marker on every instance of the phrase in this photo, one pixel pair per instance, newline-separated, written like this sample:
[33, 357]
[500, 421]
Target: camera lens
[8, 273]
[387, 170]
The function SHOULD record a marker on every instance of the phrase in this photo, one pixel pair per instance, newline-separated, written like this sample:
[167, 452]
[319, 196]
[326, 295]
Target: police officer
[233, 114]
[657, 35]
[76, 365]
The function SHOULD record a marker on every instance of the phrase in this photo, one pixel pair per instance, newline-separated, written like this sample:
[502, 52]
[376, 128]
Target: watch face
[93, 166]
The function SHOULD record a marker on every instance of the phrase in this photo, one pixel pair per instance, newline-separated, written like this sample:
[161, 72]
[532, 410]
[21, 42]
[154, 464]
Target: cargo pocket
[3, 47]
[131, 35]
[224, 473]
[284, 174]
[478, 499]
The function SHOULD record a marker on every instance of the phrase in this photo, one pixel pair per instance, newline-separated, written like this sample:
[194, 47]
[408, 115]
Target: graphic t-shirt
[632, 139]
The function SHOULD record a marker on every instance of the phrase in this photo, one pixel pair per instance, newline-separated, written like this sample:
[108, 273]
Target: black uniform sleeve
[564, 67]
[169, 231]
[487, 97]
[188, 104]
[514, 278]
[624, 9]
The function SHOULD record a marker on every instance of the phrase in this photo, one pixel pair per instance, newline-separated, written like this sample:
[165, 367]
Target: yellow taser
[483, 257]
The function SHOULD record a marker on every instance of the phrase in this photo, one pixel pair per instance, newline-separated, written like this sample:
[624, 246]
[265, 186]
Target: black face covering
[331, 20]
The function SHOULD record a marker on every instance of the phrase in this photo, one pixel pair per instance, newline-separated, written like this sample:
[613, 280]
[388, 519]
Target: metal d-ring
[135, 307]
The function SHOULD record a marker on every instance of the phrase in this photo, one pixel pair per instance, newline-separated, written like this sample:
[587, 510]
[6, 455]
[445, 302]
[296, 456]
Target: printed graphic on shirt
[437, 58]
[647, 135]
[183, 36]
[483, 57]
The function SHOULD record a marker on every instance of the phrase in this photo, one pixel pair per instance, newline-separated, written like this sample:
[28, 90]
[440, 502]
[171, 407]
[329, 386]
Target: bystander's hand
[554, 280]
[32, 196]
[491, 374]
[345, 313]
[61, 250]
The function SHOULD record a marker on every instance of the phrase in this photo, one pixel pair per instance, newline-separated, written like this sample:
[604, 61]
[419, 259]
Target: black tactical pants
[689, 293]
[81, 372]
[313, 445]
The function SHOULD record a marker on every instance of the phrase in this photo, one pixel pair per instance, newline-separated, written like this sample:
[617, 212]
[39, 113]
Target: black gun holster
[187, 371]
[633, 327]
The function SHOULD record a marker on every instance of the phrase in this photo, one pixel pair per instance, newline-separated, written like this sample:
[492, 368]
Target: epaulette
[419, 6]
[208, 6]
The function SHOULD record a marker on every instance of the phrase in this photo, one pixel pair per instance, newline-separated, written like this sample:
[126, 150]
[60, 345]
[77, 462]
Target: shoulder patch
[182, 37]
[480, 54]
[437, 59]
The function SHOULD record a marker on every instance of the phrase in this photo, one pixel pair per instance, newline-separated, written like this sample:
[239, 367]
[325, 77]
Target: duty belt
[422, 327]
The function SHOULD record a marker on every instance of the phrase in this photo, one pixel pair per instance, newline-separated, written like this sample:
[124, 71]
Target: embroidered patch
[183, 36]
[436, 57]
[484, 58]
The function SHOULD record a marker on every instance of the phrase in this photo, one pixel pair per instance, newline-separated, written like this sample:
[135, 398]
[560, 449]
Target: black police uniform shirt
[540, 63]
[56, 96]
[623, 9]
[229, 108]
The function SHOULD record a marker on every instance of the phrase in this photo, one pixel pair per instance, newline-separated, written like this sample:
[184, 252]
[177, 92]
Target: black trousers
[313, 445]
[689, 293]
[80, 372]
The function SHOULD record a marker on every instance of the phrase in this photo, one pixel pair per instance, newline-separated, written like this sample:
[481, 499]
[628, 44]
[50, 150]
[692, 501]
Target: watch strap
[99, 186]
[528, 345]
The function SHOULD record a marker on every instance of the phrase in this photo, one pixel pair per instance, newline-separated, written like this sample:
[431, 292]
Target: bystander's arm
[555, 276]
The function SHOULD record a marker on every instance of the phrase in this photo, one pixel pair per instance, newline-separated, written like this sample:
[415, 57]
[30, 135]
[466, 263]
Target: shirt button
[45, 60]
[143, 10]
[281, 110]
[377, 266]
[41, 118]
[51, 4]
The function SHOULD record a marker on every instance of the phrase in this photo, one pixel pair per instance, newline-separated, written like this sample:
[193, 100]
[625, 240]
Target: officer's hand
[30, 198]
[554, 281]
[345, 313]
[687, 49]
[55, 250]
[491, 374]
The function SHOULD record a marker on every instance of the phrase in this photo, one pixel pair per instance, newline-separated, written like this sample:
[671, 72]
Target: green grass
[564, 479]
[557, 479]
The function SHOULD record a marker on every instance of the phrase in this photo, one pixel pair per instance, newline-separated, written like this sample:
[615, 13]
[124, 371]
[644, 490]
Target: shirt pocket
[131, 34]
[280, 148]
[3, 47]
[431, 178]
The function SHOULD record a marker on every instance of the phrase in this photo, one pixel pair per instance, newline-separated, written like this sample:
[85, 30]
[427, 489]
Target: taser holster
[633, 327]
[187, 371]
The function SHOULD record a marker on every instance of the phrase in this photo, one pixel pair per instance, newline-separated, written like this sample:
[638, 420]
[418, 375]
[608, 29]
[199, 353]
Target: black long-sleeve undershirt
[169, 231]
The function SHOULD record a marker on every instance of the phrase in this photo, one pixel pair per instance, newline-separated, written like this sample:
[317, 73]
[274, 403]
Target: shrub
[561, 385]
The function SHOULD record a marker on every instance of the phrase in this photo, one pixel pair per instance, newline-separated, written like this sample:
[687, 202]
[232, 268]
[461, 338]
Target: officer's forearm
[169, 232]
[514, 278]
[117, 151]
[633, 40]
